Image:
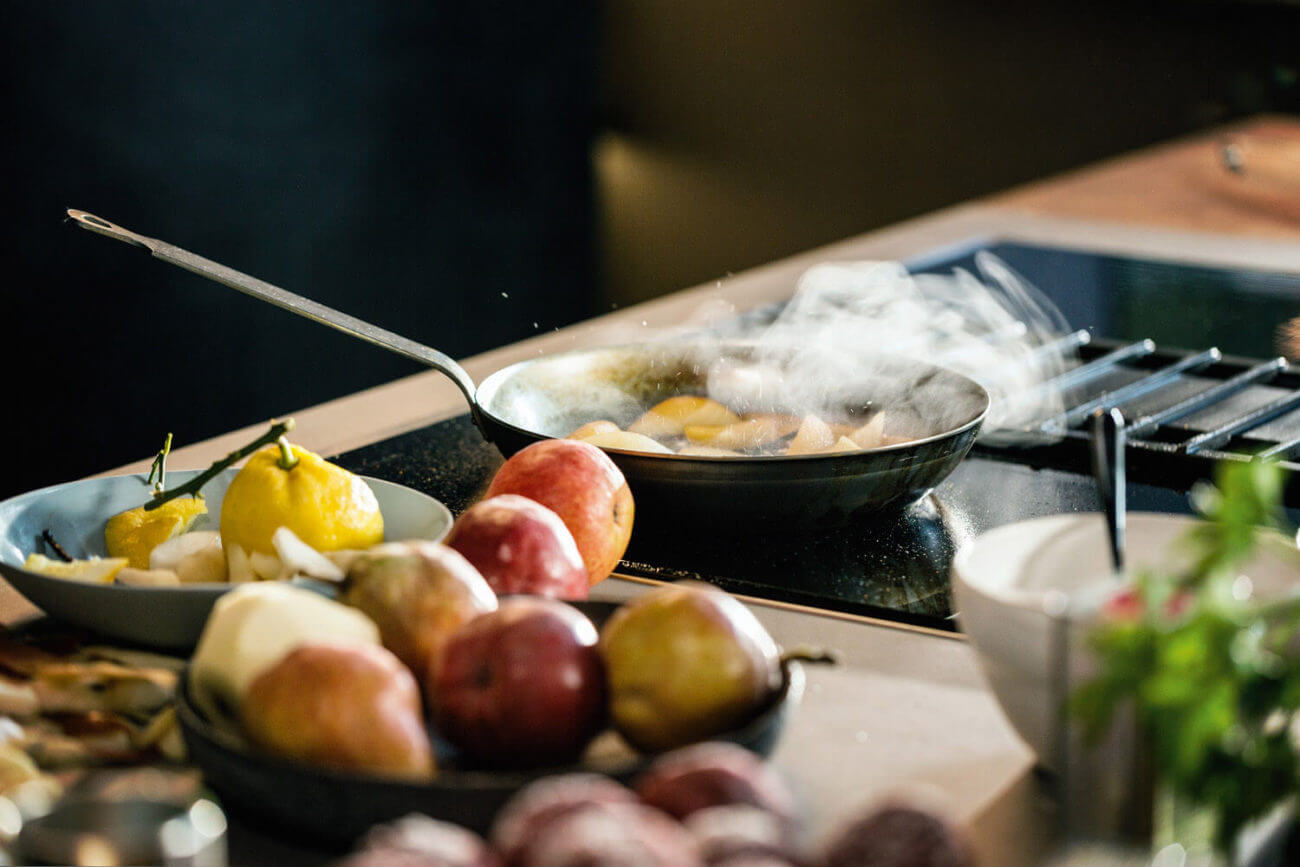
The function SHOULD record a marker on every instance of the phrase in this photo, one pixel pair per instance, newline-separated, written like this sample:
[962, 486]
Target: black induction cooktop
[896, 567]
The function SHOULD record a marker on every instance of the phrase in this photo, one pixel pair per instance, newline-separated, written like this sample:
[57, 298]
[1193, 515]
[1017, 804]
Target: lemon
[323, 504]
[90, 571]
[136, 532]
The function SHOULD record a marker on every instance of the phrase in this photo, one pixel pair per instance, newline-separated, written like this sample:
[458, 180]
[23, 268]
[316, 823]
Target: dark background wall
[738, 131]
[413, 162]
[410, 163]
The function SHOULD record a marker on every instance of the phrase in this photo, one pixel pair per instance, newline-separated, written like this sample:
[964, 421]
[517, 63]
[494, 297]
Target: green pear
[684, 663]
[418, 593]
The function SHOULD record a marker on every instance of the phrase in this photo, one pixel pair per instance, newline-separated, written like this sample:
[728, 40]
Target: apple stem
[811, 655]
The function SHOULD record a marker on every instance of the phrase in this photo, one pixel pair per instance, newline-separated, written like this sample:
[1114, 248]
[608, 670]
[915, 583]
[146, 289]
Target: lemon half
[136, 532]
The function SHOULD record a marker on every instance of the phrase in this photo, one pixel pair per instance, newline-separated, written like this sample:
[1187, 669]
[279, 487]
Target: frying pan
[550, 396]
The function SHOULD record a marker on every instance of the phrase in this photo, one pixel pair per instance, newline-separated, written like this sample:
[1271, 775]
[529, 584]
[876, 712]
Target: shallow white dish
[164, 617]
[1002, 579]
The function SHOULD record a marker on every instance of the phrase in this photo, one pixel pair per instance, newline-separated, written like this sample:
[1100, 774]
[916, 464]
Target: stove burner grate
[1187, 409]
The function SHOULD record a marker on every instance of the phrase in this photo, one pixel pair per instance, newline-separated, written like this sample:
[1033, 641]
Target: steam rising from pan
[823, 350]
[845, 348]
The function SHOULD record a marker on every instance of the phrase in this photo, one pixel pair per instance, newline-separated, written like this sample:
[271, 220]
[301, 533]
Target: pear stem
[277, 430]
[55, 546]
[811, 655]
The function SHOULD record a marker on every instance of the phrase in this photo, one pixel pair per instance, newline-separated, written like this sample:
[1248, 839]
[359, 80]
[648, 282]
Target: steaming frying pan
[550, 396]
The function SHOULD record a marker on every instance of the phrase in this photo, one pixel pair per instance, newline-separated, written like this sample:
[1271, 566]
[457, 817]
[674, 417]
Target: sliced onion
[299, 558]
[204, 566]
[177, 548]
[238, 569]
[147, 577]
[343, 557]
[265, 566]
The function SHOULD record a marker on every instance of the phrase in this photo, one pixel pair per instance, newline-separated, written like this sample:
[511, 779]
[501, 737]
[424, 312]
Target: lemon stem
[55, 546]
[159, 467]
[288, 460]
[277, 430]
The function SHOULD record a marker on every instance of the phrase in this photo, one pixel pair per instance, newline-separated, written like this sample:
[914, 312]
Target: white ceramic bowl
[164, 617]
[1002, 579]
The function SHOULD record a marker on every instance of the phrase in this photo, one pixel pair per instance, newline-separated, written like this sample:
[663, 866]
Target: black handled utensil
[1091, 805]
[1108, 437]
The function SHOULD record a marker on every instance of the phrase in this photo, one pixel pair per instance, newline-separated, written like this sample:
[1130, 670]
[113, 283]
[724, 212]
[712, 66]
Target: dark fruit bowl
[332, 808]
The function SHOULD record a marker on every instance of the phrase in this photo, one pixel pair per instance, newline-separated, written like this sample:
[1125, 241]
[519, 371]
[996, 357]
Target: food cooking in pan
[703, 427]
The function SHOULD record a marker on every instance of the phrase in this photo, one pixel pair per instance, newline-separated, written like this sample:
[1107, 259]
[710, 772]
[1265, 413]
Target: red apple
[597, 835]
[538, 804]
[899, 834]
[714, 774]
[419, 841]
[520, 546]
[584, 487]
[739, 833]
[522, 685]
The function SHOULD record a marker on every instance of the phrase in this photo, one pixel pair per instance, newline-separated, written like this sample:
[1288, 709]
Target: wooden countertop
[907, 710]
[1186, 185]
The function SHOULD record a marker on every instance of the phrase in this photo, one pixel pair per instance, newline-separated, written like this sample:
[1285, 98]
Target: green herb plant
[1211, 672]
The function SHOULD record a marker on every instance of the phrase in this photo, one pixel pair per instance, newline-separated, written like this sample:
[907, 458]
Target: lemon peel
[133, 534]
[90, 571]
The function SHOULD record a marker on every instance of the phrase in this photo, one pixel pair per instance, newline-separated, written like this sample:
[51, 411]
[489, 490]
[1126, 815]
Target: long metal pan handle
[288, 300]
